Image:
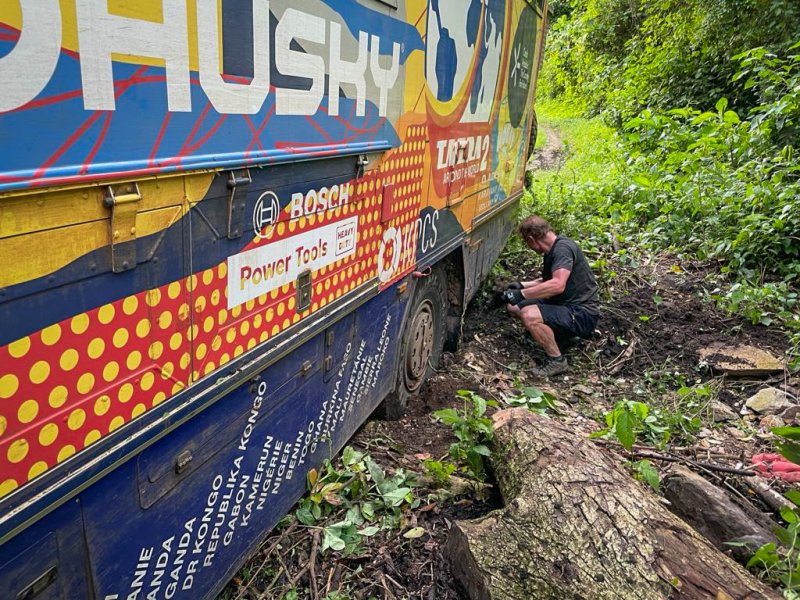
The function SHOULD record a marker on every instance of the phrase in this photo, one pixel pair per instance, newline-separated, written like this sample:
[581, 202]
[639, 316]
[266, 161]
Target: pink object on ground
[776, 466]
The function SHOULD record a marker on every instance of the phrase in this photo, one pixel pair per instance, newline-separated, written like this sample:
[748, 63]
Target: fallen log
[576, 525]
[715, 515]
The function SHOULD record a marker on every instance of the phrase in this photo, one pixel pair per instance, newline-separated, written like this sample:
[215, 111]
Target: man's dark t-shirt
[581, 289]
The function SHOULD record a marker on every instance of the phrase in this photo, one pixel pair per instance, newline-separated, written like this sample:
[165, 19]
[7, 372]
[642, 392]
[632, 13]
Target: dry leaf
[414, 533]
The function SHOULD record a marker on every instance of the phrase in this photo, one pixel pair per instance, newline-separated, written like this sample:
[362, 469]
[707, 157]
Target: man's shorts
[570, 320]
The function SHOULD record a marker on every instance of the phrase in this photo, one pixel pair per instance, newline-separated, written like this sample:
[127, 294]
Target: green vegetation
[438, 471]
[373, 500]
[789, 444]
[680, 122]
[781, 563]
[644, 470]
[631, 420]
[534, 399]
[709, 185]
[473, 429]
[619, 57]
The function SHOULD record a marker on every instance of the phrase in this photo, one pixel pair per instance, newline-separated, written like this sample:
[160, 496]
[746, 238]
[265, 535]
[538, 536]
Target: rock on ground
[722, 412]
[740, 361]
[769, 401]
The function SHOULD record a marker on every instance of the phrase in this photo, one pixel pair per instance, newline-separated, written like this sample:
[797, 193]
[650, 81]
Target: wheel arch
[447, 278]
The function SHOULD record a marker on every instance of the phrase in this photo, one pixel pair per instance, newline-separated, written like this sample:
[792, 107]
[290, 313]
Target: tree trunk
[715, 515]
[576, 525]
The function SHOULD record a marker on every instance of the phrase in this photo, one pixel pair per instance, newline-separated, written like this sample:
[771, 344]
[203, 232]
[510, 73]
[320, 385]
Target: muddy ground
[654, 322]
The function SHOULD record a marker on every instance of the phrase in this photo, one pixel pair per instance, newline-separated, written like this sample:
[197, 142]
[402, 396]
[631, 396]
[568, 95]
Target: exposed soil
[552, 155]
[654, 321]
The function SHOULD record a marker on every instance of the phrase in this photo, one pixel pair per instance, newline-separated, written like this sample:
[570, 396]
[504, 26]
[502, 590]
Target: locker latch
[303, 290]
[123, 202]
[183, 461]
[237, 201]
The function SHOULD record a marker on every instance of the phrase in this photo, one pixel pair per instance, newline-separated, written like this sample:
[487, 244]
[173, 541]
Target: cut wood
[576, 525]
[770, 497]
[714, 514]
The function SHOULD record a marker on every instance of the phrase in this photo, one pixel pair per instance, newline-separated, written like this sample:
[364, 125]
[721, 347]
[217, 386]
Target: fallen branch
[695, 463]
[648, 452]
[267, 553]
[312, 565]
[770, 497]
[615, 366]
[721, 518]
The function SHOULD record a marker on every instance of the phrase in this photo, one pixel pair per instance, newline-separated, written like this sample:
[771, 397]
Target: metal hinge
[361, 163]
[237, 201]
[123, 201]
[330, 338]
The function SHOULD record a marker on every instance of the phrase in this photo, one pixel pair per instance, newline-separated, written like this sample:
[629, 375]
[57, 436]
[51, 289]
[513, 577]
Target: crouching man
[560, 306]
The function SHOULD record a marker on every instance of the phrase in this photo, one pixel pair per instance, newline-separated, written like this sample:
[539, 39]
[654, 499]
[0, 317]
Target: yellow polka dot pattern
[404, 170]
[68, 385]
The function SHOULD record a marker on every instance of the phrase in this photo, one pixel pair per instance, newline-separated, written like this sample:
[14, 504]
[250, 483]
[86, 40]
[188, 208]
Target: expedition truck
[229, 230]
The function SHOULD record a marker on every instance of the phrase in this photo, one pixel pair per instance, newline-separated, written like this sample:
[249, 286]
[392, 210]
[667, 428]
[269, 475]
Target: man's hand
[513, 296]
[515, 285]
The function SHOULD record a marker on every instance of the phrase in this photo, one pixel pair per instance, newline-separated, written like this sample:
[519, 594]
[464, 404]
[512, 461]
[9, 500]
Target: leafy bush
[373, 499]
[630, 420]
[472, 428]
[534, 399]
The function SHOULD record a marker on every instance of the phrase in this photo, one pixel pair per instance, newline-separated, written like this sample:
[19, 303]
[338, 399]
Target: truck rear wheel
[534, 135]
[422, 342]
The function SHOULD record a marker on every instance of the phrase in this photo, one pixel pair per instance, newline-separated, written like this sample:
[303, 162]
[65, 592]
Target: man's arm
[546, 289]
[526, 284]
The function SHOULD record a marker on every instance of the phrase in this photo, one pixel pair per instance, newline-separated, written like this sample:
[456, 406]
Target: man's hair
[535, 227]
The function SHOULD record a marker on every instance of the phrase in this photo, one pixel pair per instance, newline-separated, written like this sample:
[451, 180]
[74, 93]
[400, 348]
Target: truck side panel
[259, 444]
[210, 213]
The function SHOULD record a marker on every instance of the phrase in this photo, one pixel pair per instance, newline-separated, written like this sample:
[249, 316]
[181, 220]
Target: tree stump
[577, 526]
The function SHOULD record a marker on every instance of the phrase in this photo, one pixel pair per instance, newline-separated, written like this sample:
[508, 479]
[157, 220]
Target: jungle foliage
[621, 56]
[694, 146]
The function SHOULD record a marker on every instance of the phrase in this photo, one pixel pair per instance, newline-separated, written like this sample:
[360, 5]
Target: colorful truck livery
[229, 229]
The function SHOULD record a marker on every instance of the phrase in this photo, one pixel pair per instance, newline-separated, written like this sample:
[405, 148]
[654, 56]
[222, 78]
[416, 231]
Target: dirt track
[552, 155]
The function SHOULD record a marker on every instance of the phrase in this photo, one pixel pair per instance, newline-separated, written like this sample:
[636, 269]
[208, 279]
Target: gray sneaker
[551, 366]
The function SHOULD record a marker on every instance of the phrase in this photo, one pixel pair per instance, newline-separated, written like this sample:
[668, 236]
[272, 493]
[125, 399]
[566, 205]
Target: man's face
[535, 245]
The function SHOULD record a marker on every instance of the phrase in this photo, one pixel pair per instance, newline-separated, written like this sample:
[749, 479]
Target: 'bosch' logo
[265, 214]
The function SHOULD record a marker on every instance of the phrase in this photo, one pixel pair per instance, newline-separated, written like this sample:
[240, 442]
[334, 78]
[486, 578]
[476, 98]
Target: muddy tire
[421, 343]
[534, 133]
[531, 149]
